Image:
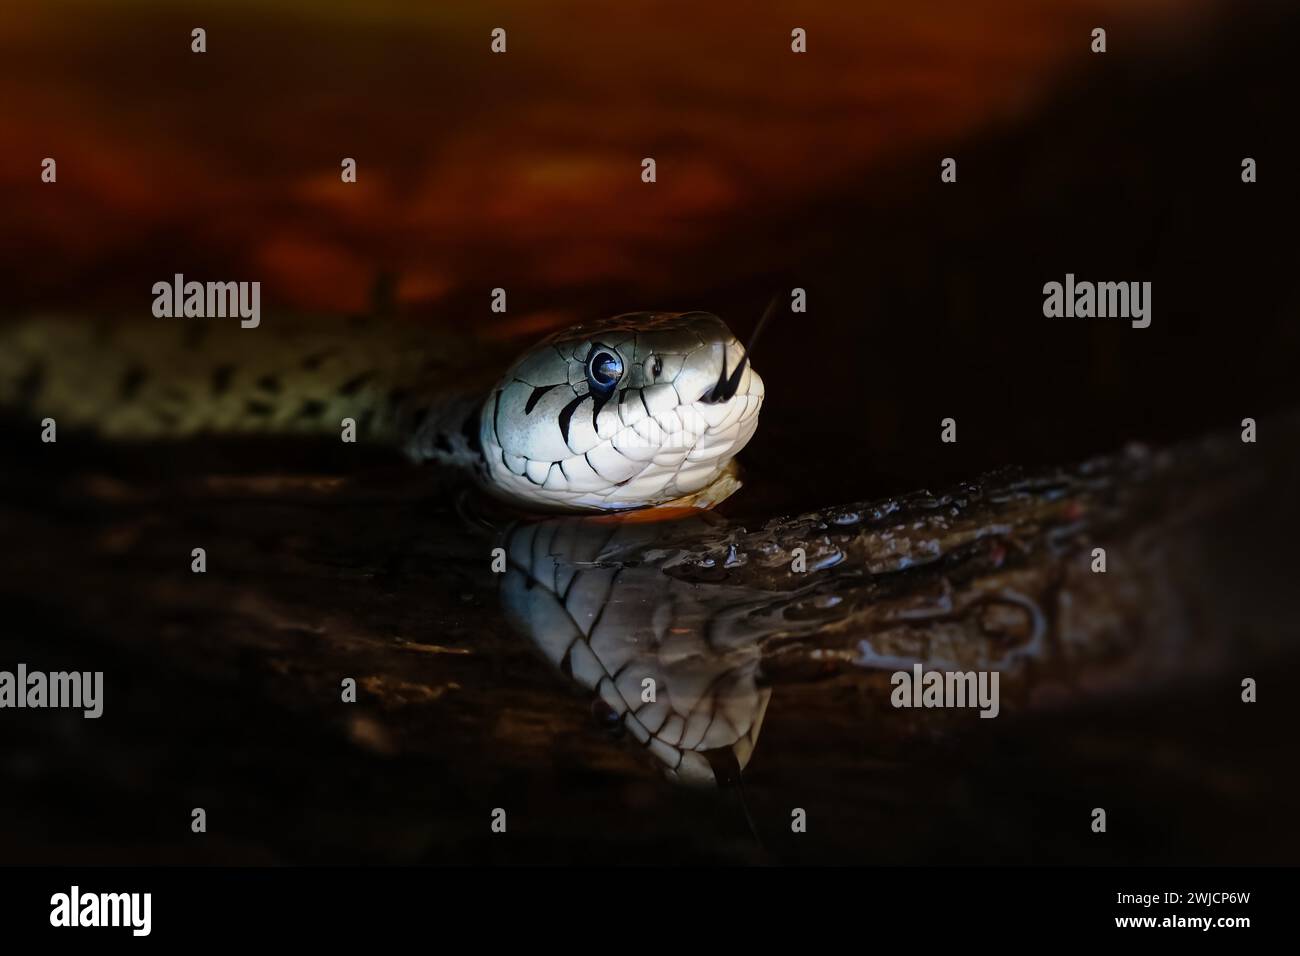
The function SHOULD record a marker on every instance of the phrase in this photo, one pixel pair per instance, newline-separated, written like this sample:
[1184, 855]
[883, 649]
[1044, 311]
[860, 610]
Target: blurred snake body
[643, 410]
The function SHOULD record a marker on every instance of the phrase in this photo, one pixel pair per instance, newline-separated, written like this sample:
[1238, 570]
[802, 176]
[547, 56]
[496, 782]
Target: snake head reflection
[672, 666]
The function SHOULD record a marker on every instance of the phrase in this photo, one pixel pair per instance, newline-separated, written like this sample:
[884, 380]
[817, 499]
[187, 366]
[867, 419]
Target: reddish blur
[478, 170]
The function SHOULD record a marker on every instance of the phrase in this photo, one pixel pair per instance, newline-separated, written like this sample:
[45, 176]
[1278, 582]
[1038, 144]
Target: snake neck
[682, 401]
[445, 432]
[358, 380]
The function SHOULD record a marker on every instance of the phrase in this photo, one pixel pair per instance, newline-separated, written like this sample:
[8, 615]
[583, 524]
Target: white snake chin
[684, 402]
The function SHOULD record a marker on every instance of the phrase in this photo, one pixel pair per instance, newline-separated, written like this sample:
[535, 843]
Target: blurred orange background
[477, 170]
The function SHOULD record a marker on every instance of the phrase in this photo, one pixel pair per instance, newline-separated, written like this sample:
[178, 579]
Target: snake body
[638, 411]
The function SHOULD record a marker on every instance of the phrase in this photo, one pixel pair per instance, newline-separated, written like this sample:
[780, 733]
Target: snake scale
[637, 411]
[995, 574]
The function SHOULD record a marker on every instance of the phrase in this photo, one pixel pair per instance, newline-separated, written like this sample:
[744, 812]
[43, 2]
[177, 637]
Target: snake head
[638, 411]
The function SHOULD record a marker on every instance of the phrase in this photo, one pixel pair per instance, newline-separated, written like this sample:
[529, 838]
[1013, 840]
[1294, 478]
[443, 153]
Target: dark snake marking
[534, 398]
[354, 384]
[221, 376]
[566, 416]
[132, 380]
[314, 361]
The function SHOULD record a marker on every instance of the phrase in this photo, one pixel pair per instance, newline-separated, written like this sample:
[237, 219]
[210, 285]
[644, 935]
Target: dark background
[775, 170]
[523, 172]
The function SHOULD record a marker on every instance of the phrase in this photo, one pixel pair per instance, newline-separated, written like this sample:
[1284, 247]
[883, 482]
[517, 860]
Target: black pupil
[606, 369]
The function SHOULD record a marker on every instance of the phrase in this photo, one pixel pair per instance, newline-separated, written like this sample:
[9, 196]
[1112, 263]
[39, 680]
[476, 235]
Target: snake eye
[604, 369]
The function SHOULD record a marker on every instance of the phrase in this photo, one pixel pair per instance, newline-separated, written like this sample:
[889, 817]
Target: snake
[993, 575]
[639, 411]
[642, 410]
[682, 683]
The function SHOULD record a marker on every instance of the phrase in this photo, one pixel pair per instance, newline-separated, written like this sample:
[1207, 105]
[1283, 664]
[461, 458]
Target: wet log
[223, 689]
